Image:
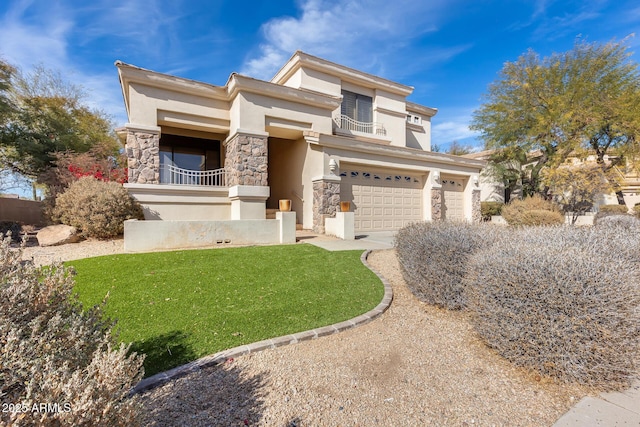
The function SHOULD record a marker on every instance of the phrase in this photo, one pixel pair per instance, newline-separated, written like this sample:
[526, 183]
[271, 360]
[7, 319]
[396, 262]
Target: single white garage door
[452, 199]
[382, 200]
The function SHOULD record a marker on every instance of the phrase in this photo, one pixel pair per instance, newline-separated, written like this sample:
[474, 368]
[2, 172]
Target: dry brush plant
[629, 222]
[97, 208]
[532, 210]
[562, 301]
[434, 256]
[58, 363]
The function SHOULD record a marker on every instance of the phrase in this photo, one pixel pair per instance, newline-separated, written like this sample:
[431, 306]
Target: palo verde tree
[584, 101]
[43, 115]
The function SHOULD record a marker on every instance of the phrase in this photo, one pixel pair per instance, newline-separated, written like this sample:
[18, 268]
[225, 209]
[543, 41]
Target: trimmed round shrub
[97, 208]
[533, 210]
[489, 209]
[434, 256]
[562, 301]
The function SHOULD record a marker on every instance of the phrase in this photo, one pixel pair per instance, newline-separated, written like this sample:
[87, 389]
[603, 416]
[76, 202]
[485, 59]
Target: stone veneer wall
[143, 157]
[436, 204]
[476, 214]
[326, 202]
[247, 160]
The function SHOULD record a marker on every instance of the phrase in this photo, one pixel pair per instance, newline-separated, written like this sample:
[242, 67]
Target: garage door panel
[389, 202]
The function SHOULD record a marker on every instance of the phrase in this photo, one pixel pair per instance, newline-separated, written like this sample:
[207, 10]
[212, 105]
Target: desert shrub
[13, 227]
[562, 301]
[489, 209]
[433, 257]
[52, 352]
[636, 210]
[532, 210]
[628, 222]
[619, 209]
[97, 208]
[605, 211]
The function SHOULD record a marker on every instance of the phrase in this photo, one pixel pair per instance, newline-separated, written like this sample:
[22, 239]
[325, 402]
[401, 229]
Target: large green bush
[532, 210]
[97, 208]
[53, 352]
[562, 301]
[434, 258]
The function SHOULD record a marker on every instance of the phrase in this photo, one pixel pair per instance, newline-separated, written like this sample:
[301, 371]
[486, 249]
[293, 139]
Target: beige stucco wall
[151, 106]
[177, 202]
[250, 111]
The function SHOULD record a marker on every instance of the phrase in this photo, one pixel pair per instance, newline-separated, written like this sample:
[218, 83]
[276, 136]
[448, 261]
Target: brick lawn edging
[221, 357]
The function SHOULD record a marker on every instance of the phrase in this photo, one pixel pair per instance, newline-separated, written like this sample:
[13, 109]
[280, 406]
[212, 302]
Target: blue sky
[448, 50]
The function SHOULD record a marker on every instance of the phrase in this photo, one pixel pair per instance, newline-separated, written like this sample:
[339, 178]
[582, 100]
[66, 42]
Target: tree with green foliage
[586, 100]
[47, 116]
[575, 188]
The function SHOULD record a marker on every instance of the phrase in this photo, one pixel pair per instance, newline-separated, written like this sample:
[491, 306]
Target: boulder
[58, 235]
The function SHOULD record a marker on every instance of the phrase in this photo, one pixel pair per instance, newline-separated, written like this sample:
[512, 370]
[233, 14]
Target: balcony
[170, 174]
[346, 123]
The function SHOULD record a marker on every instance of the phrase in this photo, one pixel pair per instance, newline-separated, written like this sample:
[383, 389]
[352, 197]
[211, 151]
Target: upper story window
[416, 120]
[356, 106]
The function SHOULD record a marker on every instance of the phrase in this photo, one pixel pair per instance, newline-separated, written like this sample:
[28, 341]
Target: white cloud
[362, 34]
[40, 37]
[453, 126]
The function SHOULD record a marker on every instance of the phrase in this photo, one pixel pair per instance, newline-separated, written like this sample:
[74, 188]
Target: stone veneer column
[143, 156]
[246, 160]
[436, 196]
[476, 214]
[436, 204]
[326, 200]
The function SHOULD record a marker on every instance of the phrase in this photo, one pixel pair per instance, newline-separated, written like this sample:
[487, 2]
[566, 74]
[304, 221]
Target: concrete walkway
[363, 241]
[605, 410]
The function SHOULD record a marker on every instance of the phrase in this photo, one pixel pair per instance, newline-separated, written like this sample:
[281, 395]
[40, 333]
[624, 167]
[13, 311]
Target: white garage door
[453, 199]
[382, 200]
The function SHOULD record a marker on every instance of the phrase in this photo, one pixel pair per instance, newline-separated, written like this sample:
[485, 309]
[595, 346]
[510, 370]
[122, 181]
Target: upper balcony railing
[347, 123]
[171, 174]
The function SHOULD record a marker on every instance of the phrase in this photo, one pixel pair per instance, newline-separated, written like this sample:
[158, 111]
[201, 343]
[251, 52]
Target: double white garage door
[382, 200]
[393, 199]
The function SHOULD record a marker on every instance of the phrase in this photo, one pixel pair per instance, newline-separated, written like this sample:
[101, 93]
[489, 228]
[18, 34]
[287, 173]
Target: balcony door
[357, 107]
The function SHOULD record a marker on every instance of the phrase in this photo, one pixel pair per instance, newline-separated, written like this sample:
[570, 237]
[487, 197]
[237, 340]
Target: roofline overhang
[391, 151]
[238, 83]
[421, 109]
[303, 60]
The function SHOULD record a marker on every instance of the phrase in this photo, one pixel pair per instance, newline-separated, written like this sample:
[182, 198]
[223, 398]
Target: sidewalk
[607, 409]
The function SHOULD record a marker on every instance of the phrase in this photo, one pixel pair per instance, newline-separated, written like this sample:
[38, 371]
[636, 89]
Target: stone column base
[326, 200]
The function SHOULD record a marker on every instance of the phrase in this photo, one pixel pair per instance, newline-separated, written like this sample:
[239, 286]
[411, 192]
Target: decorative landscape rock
[58, 235]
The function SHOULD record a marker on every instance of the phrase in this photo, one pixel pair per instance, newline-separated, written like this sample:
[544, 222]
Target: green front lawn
[178, 306]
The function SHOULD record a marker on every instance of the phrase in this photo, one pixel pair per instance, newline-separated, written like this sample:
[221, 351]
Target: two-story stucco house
[318, 133]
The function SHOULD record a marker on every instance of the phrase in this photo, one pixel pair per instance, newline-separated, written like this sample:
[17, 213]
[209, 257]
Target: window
[356, 106]
[194, 154]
